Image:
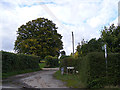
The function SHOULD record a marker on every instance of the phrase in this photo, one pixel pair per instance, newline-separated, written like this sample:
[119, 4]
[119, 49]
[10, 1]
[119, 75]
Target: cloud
[84, 17]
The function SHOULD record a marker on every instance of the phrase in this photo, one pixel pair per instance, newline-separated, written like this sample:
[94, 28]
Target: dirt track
[40, 79]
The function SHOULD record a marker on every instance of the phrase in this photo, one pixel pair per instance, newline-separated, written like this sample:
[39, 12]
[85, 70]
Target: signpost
[62, 70]
[105, 48]
[70, 68]
[106, 56]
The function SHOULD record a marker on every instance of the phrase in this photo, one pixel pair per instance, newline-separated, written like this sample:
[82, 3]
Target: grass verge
[42, 65]
[72, 80]
[8, 74]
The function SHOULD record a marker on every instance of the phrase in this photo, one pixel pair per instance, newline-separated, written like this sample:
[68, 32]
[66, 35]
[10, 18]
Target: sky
[86, 18]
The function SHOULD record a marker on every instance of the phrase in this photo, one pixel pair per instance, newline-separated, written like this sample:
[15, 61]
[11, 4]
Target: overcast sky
[86, 18]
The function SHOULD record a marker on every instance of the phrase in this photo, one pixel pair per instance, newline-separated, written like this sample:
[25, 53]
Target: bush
[64, 56]
[68, 62]
[113, 69]
[92, 70]
[51, 61]
[16, 62]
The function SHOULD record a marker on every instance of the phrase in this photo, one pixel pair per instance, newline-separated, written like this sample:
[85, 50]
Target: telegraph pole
[119, 13]
[73, 42]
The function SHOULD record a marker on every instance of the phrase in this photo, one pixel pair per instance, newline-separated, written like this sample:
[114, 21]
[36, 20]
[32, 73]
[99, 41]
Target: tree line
[40, 37]
[109, 36]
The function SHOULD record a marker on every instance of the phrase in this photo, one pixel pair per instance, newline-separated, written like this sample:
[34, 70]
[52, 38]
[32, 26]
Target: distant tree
[63, 53]
[111, 36]
[92, 46]
[39, 37]
[76, 54]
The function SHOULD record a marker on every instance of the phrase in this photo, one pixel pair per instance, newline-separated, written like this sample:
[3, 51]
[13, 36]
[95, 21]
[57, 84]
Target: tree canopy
[39, 37]
[109, 35]
[92, 46]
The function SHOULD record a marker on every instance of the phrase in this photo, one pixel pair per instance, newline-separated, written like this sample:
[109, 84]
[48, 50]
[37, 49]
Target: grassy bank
[8, 74]
[42, 65]
[72, 80]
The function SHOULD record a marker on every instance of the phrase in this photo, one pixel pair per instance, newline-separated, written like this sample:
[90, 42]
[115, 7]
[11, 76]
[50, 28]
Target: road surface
[39, 79]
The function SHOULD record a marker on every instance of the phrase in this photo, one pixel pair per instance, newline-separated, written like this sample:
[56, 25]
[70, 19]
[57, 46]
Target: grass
[42, 65]
[8, 74]
[72, 80]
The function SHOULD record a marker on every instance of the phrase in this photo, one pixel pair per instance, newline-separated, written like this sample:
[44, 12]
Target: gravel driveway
[40, 79]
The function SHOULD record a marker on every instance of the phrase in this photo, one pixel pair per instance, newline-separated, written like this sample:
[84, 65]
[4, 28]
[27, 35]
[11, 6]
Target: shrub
[68, 62]
[51, 61]
[113, 69]
[93, 73]
[64, 56]
[92, 70]
[16, 62]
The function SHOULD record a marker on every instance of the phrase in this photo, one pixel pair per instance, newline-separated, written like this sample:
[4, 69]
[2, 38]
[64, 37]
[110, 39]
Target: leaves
[111, 36]
[38, 37]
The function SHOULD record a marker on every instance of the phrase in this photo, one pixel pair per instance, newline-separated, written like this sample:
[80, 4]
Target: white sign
[105, 50]
[70, 67]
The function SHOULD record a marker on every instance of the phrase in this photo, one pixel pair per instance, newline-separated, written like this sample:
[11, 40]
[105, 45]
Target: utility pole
[73, 42]
[119, 13]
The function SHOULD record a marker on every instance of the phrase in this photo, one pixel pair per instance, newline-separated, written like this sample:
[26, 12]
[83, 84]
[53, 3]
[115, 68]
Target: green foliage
[51, 61]
[8, 74]
[64, 56]
[92, 70]
[113, 69]
[38, 37]
[92, 46]
[111, 36]
[16, 62]
[42, 65]
[63, 53]
[71, 80]
[97, 70]
[68, 62]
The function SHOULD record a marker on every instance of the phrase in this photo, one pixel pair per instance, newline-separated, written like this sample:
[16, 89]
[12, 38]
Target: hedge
[113, 69]
[15, 62]
[51, 61]
[95, 70]
[92, 69]
[68, 62]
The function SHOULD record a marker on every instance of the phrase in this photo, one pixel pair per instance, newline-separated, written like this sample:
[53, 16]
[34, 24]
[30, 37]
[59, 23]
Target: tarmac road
[39, 79]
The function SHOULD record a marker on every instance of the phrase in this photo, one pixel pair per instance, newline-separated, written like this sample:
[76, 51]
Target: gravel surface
[40, 79]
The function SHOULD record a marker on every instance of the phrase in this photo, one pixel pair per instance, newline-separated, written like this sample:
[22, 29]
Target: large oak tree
[39, 37]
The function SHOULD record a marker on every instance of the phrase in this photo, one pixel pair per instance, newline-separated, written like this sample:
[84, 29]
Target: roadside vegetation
[35, 40]
[13, 64]
[72, 80]
[8, 74]
[92, 71]
[42, 65]
[90, 62]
